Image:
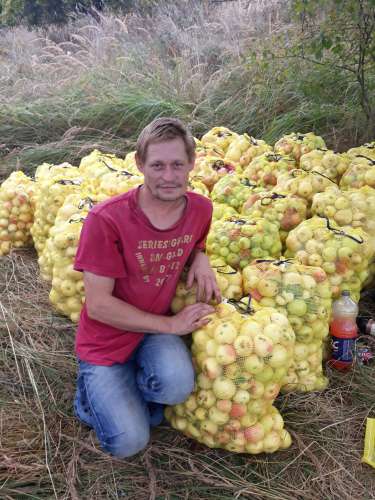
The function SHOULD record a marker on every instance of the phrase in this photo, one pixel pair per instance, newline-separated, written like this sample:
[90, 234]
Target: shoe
[156, 413]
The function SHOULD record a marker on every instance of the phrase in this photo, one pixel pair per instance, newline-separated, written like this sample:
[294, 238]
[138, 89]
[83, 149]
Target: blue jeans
[122, 401]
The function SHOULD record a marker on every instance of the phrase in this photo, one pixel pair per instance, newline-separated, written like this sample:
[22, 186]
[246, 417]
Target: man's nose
[168, 173]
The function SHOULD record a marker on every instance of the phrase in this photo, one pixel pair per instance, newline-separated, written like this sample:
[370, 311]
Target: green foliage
[340, 34]
[38, 12]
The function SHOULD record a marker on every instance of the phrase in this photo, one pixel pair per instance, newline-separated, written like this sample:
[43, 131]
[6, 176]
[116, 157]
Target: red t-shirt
[119, 241]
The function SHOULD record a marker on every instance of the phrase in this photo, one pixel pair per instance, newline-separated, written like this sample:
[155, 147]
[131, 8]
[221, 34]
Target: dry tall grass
[66, 90]
[46, 453]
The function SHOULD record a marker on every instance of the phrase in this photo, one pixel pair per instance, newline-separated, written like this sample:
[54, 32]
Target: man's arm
[104, 307]
[201, 272]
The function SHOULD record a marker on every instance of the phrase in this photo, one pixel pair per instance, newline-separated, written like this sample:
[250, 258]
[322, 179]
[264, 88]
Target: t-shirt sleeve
[201, 243]
[99, 249]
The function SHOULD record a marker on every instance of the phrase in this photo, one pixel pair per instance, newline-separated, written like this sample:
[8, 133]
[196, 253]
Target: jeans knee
[124, 445]
[178, 388]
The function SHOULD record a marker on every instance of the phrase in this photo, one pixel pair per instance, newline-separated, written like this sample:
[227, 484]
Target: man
[132, 250]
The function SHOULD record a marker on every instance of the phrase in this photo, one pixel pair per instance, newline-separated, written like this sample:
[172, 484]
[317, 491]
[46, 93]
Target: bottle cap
[345, 293]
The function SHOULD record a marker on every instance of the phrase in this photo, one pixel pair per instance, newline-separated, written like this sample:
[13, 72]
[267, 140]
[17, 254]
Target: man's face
[166, 169]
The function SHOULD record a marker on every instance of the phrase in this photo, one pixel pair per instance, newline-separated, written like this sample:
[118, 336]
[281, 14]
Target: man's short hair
[164, 129]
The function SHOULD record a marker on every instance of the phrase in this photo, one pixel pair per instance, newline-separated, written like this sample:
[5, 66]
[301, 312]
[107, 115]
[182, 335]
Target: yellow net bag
[265, 169]
[239, 240]
[344, 253]
[16, 212]
[241, 360]
[297, 144]
[304, 295]
[286, 211]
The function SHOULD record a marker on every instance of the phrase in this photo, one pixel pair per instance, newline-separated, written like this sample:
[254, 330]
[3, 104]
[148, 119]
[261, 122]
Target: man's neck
[148, 203]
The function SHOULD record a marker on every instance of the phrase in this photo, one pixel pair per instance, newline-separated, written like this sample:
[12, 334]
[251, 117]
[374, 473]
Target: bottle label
[342, 349]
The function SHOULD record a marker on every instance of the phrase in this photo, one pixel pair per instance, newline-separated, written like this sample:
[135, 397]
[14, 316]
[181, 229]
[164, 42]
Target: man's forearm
[119, 314]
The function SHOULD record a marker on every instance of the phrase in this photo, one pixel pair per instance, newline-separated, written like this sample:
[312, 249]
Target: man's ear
[139, 163]
[192, 163]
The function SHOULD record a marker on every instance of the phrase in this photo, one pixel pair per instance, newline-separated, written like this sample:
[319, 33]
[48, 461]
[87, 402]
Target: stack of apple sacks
[240, 367]
[303, 295]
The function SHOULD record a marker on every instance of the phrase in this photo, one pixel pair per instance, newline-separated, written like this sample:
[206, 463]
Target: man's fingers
[200, 289]
[217, 293]
[190, 279]
[209, 289]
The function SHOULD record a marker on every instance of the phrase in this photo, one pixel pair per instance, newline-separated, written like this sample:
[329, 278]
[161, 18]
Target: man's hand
[190, 318]
[201, 272]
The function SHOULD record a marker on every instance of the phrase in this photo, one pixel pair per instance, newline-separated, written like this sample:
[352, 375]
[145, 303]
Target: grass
[47, 454]
[65, 91]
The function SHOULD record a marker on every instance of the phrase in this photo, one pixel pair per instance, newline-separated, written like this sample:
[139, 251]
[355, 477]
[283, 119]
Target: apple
[238, 410]
[225, 333]
[224, 405]
[254, 433]
[211, 368]
[217, 416]
[253, 364]
[205, 398]
[223, 388]
[209, 427]
[271, 442]
[226, 354]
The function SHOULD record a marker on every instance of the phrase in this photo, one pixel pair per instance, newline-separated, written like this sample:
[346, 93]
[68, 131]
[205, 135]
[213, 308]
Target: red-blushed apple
[238, 410]
[224, 405]
[211, 368]
[254, 433]
[226, 354]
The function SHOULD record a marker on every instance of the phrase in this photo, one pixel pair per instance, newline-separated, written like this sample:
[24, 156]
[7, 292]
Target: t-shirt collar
[134, 203]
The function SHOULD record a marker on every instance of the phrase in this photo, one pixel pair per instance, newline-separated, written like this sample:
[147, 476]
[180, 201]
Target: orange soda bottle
[344, 331]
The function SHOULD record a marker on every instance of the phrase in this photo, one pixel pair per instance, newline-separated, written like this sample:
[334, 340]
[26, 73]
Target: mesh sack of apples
[240, 365]
[243, 149]
[52, 189]
[256, 148]
[367, 150]
[327, 162]
[16, 212]
[210, 169]
[221, 137]
[265, 169]
[239, 240]
[118, 182]
[297, 182]
[197, 186]
[344, 253]
[297, 144]
[286, 211]
[361, 172]
[304, 295]
[221, 211]
[355, 207]
[67, 292]
[233, 190]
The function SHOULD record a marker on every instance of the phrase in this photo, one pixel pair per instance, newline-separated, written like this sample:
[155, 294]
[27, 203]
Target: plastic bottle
[344, 331]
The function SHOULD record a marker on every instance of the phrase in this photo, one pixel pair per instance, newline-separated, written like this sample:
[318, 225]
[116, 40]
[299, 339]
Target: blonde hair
[164, 129]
